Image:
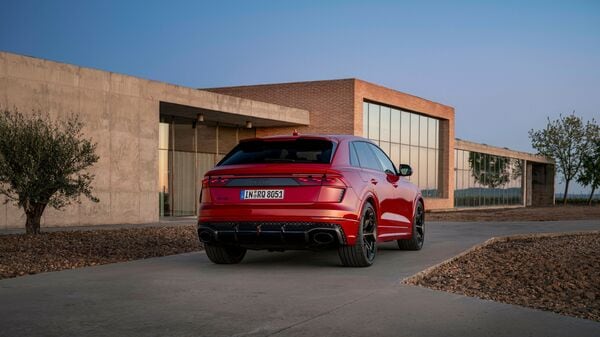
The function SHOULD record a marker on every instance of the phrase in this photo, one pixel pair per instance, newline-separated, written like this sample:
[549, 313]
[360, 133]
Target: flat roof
[500, 151]
[216, 107]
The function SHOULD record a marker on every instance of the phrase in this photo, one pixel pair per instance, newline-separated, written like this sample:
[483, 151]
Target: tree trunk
[34, 213]
[566, 191]
[591, 196]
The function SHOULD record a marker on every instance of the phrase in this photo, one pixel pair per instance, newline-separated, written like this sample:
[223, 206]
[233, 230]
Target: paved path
[278, 294]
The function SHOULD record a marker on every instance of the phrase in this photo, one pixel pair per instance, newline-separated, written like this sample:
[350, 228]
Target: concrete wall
[118, 116]
[121, 114]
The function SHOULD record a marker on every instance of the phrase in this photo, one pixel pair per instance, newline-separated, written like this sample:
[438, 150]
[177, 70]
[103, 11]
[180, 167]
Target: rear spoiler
[287, 138]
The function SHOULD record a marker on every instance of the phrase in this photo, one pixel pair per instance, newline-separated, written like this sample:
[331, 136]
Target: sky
[505, 66]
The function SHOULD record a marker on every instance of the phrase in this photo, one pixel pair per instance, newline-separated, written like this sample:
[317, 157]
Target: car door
[373, 174]
[401, 202]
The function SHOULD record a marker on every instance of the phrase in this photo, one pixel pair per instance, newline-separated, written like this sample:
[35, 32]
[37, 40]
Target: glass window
[385, 146]
[406, 138]
[423, 176]
[437, 134]
[431, 169]
[414, 164]
[311, 151]
[395, 126]
[384, 124]
[423, 133]
[484, 177]
[395, 153]
[373, 121]
[414, 130]
[387, 164]
[405, 128]
[404, 154]
[432, 141]
[366, 157]
[456, 160]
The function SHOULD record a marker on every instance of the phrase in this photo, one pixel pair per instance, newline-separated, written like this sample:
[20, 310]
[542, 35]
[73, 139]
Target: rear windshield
[286, 151]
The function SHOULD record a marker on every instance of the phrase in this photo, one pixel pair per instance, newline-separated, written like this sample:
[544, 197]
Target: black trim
[272, 235]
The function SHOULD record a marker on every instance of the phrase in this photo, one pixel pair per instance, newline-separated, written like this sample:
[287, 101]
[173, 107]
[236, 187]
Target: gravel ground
[22, 254]
[553, 213]
[556, 272]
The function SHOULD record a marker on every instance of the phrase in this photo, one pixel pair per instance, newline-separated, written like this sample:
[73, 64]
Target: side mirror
[405, 170]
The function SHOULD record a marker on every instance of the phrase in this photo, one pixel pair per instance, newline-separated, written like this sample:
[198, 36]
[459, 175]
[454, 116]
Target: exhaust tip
[323, 238]
[205, 236]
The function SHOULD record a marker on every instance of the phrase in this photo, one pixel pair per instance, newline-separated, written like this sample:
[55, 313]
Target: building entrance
[187, 150]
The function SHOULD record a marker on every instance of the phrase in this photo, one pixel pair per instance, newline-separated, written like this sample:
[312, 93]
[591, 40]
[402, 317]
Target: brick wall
[330, 104]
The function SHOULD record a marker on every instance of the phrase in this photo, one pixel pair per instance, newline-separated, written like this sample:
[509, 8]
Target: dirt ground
[559, 273]
[22, 254]
[553, 213]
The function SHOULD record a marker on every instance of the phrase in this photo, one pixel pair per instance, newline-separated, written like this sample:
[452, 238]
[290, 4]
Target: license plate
[261, 194]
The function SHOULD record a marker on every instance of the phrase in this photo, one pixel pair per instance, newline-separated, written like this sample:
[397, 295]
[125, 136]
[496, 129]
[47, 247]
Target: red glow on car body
[267, 195]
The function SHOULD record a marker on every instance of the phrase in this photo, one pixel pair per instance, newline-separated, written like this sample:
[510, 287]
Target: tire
[418, 230]
[364, 250]
[224, 254]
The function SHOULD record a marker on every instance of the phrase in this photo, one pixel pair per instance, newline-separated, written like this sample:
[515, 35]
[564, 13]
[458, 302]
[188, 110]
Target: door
[400, 204]
[373, 173]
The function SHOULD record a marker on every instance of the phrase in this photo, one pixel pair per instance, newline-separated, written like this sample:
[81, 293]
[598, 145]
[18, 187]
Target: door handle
[374, 181]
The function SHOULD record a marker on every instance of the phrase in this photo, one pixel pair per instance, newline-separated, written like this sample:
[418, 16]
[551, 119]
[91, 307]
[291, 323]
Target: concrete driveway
[278, 294]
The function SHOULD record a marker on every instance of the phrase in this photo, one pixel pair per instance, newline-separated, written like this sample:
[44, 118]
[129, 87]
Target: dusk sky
[503, 65]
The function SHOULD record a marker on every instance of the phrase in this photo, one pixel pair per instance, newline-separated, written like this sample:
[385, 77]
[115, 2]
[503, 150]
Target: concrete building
[156, 140]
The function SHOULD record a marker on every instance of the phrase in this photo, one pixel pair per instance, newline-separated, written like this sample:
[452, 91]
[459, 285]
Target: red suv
[308, 192]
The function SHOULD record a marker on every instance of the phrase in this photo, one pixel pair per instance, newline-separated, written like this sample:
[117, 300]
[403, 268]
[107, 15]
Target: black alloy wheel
[363, 252]
[418, 230]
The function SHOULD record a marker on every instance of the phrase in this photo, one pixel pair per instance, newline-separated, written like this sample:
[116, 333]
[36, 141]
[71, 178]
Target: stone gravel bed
[22, 254]
[551, 213]
[555, 272]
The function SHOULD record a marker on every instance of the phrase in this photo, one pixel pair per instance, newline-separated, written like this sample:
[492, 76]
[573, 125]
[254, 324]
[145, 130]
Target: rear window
[286, 151]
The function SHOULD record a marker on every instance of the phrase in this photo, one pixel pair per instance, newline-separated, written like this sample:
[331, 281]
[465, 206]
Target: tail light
[333, 181]
[331, 194]
[216, 181]
[333, 187]
[323, 180]
[310, 180]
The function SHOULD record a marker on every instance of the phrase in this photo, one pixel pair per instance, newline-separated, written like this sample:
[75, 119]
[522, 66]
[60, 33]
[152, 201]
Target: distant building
[156, 140]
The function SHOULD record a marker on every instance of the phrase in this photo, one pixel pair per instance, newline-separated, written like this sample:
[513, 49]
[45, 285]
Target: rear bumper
[287, 223]
[273, 235]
